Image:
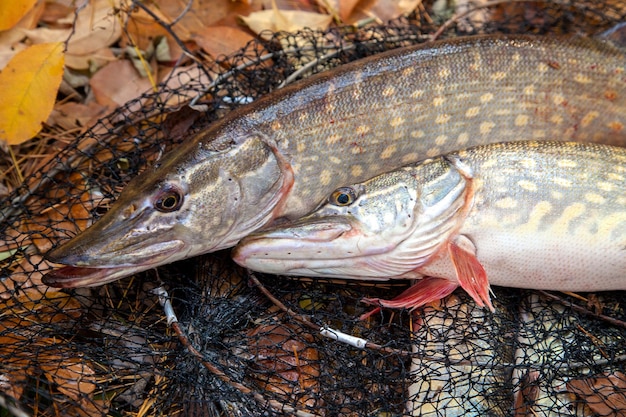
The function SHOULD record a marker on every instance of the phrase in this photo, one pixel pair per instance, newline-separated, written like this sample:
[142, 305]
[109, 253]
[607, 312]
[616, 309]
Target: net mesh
[235, 351]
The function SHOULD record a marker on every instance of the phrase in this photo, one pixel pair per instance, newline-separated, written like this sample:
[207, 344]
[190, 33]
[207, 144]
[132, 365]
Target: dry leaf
[7, 52]
[288, 365]
[12, 11]
[13, 380]
[35, 305]
[184, 81]
[342, 8]
[54, 11]
[221, 40]
[72, 115]
[46, 35]
[382, 10]
[29, 84]
[605, 395]
[95, 27]
[73, 376]
[286, 20]
[117, 83]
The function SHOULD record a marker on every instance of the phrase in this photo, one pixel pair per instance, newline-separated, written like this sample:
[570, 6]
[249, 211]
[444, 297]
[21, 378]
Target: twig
[584, 311]
[183, 13]
[343, 337]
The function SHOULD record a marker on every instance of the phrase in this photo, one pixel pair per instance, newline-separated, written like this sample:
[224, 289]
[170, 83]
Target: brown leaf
[73, 376]
[605, 395]
[143, 29]
[55, 11]
[288, 364]
[382, 10]
[72, 115]
[95, 27]
[26, 275]
[286, 20]
[117, 83]
[13, 379]
[343, 8]
[37, 306]
[221, 40]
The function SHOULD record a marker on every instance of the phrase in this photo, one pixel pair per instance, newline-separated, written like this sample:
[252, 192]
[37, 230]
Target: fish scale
[344, 126]
[529, 214]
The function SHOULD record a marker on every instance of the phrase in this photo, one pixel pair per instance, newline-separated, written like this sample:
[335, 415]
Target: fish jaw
[72, 277]
[324, 247]
[93, 261]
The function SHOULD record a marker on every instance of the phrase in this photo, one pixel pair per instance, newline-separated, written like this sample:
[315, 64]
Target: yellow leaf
[29, 85]
[12, 11]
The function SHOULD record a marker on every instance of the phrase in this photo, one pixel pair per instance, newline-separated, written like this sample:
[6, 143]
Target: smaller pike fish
[538, 215]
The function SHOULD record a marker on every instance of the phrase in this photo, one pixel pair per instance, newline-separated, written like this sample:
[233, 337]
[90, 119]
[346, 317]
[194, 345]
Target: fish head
[199, 198]
[377, 229]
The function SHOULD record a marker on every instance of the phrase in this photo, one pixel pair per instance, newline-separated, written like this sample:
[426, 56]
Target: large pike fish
[540, 215]
[281, 155]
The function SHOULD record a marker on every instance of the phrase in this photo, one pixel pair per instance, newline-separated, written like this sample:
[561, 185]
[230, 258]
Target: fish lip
[107, 260]
[298, 234]
[71, 276]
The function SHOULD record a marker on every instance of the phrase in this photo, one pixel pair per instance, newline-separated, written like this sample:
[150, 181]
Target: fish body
[539, 215]
[281, 155]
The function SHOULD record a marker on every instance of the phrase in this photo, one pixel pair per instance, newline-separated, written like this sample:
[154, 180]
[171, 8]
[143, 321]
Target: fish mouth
[121, 255]
[76, 274]
[72, 276]
[309, 247]
[281, 242]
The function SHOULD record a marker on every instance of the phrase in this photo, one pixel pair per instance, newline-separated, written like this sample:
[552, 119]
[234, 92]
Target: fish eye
[343, 196]
[169, 199]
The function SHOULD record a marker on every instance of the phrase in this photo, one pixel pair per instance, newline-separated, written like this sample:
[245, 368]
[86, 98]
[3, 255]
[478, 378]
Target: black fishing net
[245, 345]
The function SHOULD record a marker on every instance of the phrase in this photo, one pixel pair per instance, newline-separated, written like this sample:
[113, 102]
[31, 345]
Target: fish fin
[424, 291]
[470, 273]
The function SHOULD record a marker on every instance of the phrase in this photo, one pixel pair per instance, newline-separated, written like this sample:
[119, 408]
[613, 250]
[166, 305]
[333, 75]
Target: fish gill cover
[236, 352]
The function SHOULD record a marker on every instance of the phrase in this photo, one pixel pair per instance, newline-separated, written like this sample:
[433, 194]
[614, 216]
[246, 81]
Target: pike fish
[280, 155]
[538, 215]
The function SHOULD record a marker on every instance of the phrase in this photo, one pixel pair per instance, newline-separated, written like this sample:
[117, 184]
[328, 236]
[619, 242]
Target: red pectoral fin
[471, 274]
[423, 292]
